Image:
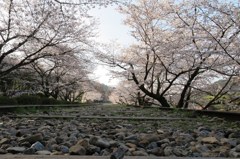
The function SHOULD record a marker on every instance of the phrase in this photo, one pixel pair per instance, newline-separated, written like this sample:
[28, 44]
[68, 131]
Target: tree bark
[186, 87]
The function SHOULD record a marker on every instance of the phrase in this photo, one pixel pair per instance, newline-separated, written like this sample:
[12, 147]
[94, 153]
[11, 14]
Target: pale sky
[111, 28]
[111, 25]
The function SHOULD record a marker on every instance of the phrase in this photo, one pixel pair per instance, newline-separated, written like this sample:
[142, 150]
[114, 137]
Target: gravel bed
[202, 137]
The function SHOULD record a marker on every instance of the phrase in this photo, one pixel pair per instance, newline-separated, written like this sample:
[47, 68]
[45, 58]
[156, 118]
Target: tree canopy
[181, 49]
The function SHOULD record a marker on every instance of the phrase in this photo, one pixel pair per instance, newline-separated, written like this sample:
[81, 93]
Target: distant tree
[61, 76]
[103, 89]
[128, 93]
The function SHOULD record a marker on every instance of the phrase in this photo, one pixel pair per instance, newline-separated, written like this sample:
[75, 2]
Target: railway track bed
[100, 117]
[101, 130]
[90, 157]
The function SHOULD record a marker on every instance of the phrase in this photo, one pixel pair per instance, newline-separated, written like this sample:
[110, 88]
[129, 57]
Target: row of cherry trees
[184, 51]
[44, 46]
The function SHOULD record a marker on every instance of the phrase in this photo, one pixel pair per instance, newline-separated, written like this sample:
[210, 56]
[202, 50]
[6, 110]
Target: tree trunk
[161, 99]
[163, 102]
[186, 104]
[186, 87]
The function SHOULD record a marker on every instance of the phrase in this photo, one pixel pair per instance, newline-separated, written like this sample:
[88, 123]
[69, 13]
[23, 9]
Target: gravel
[203, 137]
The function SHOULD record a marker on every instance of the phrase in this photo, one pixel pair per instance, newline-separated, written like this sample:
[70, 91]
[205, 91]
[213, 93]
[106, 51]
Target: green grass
[25, 110]
[34, 110]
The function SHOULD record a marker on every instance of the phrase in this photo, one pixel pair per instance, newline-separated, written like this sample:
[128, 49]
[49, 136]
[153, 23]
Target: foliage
[31, 100]
[28, 100]
[22, 110]
[49, 101]
[4, 100]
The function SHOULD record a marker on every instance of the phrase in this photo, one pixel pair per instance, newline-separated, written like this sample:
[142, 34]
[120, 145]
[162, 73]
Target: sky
[110, 29]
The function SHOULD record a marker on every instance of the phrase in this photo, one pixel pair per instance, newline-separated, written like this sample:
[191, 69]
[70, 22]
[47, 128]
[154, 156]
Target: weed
[26, 110]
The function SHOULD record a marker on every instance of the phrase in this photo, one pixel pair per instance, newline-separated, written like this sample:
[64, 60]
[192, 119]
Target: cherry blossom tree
[128, 93]
[182, 47]
[61, 77]
[28, 28]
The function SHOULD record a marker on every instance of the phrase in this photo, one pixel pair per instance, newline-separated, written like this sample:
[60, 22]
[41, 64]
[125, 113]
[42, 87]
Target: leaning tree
[181, 48]
[29, 27]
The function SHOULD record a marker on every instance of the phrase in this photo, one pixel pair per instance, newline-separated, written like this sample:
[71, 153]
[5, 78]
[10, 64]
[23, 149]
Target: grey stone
[196, 154]
[160, 131]
[12, 131]
[158, 151]
[93, 149]
[34, 138]
[220, 134]
[38, 146]
[119, 127]
[201, 148]
[100, 142]
[204, 133]
[222, 151]
[84, 143]
[124, 146]
[25, 144]
[14, 143]
[164, 145]
[4, 141]
[131, 137]
[77, 150]
[105, 152]
[160, 142]
[53, 147]
[73, 139]
[128, 126]
[180, 152]
[120, 135]
[184, 139]
[113, 143]
[231, 142]
[129, 146]
[150, 138]
[43, 152]
[49, 145]
[50, 123]
[64, 149]
[119, 153]
[2, 151]
[42, 128]
[152, 145]
[15, 150]
[72, 128]
[29, 151]
[234, 135]
[67, 144]
[210, 140]
[168, 151]
[5, 146]
[59, 140]
[202, 128]
[234, 154]
[237, 148]
[139, 153]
